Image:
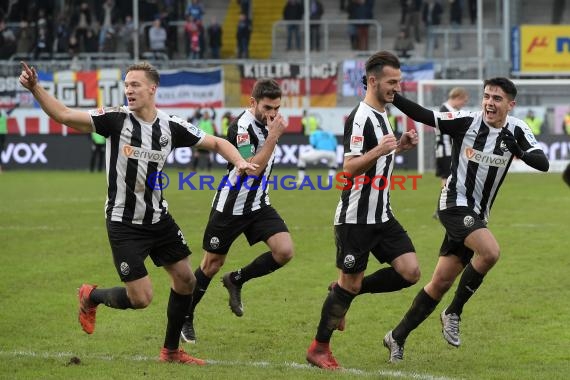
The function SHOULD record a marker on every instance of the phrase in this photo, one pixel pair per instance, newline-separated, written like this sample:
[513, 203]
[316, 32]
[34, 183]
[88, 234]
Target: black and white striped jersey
[365, 203]
[479, 159]
[442, 140]
[240, 196]
[135, 152]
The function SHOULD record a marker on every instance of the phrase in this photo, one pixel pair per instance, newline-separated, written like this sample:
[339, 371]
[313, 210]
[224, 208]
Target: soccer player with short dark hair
[139, 138]
[241, 204]
[484, 144]
[364, 221]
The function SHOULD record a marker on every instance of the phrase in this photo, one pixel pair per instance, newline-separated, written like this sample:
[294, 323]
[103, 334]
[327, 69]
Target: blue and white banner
[191, 88]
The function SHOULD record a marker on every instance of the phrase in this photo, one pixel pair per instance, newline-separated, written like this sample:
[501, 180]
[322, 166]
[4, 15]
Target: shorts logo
[125, 269]
[163, 141]
[349, 261]
[468, 221]
[356, 142]
[214, 242]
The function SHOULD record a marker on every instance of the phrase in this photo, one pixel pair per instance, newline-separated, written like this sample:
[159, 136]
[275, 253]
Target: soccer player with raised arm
[139, 224]
[484, 144]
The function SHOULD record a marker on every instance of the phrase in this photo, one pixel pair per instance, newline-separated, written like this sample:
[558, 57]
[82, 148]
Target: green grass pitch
[53, 238]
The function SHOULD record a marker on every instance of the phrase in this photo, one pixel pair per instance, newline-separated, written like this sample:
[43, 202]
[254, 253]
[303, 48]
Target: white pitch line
[229, 363]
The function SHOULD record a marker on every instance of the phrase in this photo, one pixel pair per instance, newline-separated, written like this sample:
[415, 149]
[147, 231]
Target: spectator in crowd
[192, 40]
[535, 123]
[566, 123]
[62, 35]
[227, 118]
[455, 19]
[431, 16]
[243, 35]
[157, 38]
[316, 12]
[81, 21]
[293, 11]
[106, 23]
[25, 38]
[215, 38]
[97, 152]
[404, 44]
[472, 4]
[404, 11]
[42, 44]
[206, 124]
[91, 41]
[7, 41]
[309, 123]
[195, 10]
[362, 10]
[4, 129]
[414, 18]
[126, 33]
[245, 7]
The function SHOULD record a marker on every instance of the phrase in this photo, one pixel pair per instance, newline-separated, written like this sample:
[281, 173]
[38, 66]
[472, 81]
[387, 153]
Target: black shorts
[132, 243]
[354, 242]
[443, 167]
[223, 229]
[459, 222]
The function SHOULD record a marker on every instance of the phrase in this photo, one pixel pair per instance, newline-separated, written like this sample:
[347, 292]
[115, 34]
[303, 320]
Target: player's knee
[412, 275]
[283, 255]
[141, 301]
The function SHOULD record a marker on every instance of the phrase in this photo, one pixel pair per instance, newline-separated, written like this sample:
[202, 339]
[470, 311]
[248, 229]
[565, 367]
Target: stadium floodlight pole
[479, 39]
[506, 30]
[307, 97]
[136, 48]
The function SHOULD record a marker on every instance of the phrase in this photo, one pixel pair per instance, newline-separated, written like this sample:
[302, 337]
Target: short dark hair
[266, 88]
[505, 84]
[376, 63]
[150, 71]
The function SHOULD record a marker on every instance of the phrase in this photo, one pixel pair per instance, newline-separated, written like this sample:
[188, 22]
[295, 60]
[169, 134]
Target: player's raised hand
[277, 125]
[29, 76]
[408, 140]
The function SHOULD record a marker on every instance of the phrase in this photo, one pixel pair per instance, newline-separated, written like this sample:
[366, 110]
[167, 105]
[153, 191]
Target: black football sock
[422, 306]
[177, 307]
[112, 297]
[382, 281]
[468, 284]
[202, 283]
[335, 307]
[261, 266]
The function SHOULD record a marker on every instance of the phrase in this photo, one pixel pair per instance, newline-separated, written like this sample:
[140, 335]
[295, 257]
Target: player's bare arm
[76, 119]
[357, 165]
[229, 152]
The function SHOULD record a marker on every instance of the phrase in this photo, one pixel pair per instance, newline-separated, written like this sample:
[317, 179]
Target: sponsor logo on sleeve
[243, 139]
[356, 142]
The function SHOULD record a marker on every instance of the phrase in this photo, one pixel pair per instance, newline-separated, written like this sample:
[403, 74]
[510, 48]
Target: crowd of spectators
[48, 28]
